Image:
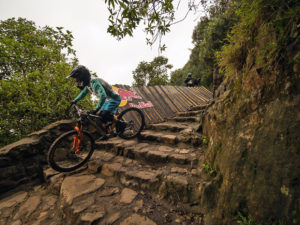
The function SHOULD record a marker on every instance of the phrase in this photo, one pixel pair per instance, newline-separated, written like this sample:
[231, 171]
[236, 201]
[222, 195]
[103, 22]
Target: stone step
[151, 153]
[29, 205]
[173, 126]
[85, 197]
[111, 184]
[177, 184]
[189, 113]
[187, 136]
[185, 119]
[199, 107]
[168, 126]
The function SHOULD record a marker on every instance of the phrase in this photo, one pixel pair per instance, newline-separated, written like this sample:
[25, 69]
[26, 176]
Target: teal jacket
[101, 89]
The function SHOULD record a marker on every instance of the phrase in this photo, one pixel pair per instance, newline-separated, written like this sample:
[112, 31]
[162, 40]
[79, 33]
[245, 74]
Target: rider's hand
[72, 102]
[93, 111]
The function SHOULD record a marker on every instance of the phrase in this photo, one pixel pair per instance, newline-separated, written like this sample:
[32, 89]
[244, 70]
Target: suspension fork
[77, 138]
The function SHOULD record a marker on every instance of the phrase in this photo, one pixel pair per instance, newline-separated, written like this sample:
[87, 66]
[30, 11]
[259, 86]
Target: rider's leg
[109, 109]
[111, 105]
[106, 116]
[121, 125]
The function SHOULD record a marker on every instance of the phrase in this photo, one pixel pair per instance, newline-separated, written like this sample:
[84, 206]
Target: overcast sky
[112, 60]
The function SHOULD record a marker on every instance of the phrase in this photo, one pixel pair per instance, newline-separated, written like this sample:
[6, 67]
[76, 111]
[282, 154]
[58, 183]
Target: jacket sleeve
[99, 89]
[82, 94]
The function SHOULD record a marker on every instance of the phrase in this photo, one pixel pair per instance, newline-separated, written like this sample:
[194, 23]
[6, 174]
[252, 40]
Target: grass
[208, 169]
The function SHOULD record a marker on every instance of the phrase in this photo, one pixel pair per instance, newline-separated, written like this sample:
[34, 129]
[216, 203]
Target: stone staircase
[150, 180]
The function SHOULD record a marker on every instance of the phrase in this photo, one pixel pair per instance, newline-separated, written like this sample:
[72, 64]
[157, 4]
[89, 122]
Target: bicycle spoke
[66, 155]
[135, 121]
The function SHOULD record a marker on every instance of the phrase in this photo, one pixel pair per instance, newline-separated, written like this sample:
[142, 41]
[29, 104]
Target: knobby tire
[67, 139]
[136, 118]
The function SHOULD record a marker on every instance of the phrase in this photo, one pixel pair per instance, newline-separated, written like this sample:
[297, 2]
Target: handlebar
[78, 110]
[81, 112]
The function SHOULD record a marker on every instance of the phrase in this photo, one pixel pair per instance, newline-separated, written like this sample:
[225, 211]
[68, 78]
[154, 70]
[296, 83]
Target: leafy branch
[157, 16]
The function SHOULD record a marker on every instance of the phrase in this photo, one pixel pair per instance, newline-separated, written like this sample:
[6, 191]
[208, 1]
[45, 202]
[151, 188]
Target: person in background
[189, 81]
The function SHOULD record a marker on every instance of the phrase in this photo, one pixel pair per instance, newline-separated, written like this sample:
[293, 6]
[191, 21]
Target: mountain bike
[74, 148]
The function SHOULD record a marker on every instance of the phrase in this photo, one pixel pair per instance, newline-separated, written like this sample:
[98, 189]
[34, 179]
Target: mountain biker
[108, 99]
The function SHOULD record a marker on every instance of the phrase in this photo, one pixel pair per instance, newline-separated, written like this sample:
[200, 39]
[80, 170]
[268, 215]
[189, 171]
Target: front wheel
[67, 153]
[130, 123]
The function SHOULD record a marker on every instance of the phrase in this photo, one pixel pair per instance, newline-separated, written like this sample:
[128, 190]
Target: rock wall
[22, 161]
[254, 149]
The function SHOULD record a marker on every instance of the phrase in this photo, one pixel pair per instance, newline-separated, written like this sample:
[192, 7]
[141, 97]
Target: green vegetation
[177, 77]
[208, 38]
[204, 140]
[274, 22]
[152, 73]
[208, 169]
[246, 220]
[156, 15]
[25, 48]
[222, 38]
[34, 90]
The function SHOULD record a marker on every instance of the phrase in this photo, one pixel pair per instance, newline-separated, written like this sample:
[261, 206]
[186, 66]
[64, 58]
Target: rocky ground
[145, 181]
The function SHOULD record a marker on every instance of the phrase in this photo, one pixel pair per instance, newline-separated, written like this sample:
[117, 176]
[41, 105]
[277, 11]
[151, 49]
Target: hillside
[254, 124]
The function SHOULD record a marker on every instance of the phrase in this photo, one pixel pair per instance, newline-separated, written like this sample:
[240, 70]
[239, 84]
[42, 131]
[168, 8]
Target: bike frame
[77, 142]
[81, 140]
[84, 115]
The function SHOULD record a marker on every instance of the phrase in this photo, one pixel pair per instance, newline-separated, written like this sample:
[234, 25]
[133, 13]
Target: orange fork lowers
[77, 141]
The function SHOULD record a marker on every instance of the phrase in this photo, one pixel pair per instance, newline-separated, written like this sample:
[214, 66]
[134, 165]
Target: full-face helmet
[81, 74]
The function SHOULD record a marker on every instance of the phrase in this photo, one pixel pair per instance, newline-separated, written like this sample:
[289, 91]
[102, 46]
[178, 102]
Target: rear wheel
[130, 123]
[62, 155]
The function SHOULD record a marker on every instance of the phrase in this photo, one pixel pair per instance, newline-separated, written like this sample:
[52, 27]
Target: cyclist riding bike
[109, 100]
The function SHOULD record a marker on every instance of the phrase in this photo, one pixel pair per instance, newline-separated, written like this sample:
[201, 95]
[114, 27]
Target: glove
[93, 111]
[72, 102]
